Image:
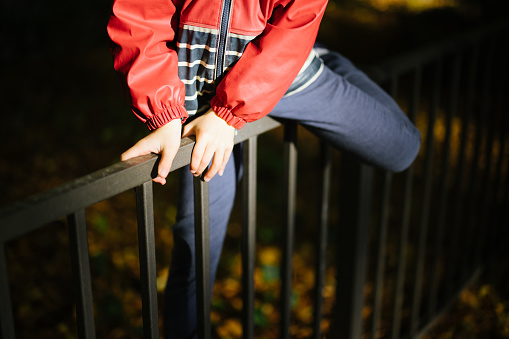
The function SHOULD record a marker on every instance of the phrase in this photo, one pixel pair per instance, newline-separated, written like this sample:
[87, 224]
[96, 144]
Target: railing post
[290, 136]
[417, 298]
[477, 202]
[321, 246]
[428, 183]
[405, 212]
[487, 110]
[408, 187]
[501, 105]
[458, 210]
[248, 236]
[202, 247]
[148, 274]
[443, 206]
[381, 253]
[352, 252]
[473, 181]
[6, 318]
[78, 243]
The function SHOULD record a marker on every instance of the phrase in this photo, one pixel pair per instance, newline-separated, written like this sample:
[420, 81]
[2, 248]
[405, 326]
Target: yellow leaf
[269, 255]
[484, 291]
[161, 280]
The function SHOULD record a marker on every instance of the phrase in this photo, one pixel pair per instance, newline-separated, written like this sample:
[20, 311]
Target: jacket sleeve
[141, 32]
[270, 62]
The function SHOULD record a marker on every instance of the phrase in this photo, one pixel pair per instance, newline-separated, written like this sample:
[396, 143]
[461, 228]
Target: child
[206, 68]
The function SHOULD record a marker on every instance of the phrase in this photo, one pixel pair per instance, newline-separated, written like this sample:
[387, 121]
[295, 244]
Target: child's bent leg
[180, 293]
[347, 109]
[345, 68]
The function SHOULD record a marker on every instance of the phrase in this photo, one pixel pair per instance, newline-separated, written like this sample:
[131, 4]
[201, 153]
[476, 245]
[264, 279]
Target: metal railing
[459, 207]
[449, 212]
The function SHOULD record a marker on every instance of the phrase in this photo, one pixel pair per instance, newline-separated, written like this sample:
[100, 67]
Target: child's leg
[180, 293]
[350, 111]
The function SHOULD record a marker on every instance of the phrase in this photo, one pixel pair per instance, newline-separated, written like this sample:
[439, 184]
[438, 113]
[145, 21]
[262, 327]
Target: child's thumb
[167, 156]
[188, 129]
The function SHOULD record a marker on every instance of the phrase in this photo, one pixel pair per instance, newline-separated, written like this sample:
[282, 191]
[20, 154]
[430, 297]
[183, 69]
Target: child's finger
[135, 151]
[196, 157]
[167, 155]
[214, 167]
[226, 157]
[205, 160]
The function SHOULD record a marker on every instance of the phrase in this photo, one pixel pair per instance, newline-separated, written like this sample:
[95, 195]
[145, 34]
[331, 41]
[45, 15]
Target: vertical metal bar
[503, 88]
[407, 193]
[383, 227]
[290, 136]
[352, 262]
[488, 117]
[458, 208]
[202, 244]
[78, 243]
[6, 318]
[443, 205]
[382, 239]
[472, 194]
[499, 182]
[380, 254]
[405, 220]
[428, 181]
[467, 266]
[498, 129]
[249, 235]
[505, 202]
[148, 274]
[321, 248]
[472, 211]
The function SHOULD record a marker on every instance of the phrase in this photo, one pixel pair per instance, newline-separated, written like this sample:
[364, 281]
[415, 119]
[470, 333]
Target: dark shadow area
[65, 114]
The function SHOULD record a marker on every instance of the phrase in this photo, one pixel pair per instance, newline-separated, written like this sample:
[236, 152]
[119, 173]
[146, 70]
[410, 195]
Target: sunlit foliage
[412, 5]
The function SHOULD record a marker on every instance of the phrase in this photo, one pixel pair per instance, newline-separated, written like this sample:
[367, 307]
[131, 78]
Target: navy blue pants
[342, 106]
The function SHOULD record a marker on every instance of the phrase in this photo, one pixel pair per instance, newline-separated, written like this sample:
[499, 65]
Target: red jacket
[238, 56]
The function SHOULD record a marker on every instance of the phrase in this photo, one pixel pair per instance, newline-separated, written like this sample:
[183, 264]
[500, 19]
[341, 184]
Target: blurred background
[65, 115]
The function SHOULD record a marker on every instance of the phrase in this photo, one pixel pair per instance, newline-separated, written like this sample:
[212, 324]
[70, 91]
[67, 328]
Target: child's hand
[214, 138]
[165, 141]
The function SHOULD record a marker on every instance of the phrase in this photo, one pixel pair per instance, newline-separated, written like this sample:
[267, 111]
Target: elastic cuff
[227, 115]
[165, 116]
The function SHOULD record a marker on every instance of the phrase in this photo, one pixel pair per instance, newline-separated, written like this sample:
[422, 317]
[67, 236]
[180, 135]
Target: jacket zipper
[223, 33]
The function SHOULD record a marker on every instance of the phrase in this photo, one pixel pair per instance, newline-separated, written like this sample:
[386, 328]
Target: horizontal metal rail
[406, 62]
[51, 205]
